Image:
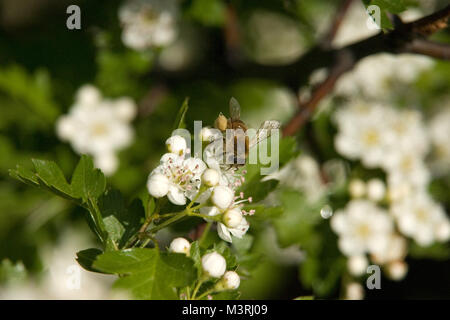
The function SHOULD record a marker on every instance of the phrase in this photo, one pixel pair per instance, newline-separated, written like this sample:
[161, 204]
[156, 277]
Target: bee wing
[235, 109]
[264, 131]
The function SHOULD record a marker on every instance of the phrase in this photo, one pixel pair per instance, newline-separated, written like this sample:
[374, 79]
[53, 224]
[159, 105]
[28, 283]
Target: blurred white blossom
[98, 126]
[362, 227]
[148, 23]
[439, 131]
[422, 219]
[373, 76]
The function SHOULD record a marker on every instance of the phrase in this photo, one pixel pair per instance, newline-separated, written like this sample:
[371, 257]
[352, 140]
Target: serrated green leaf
[147, 273]
[87, 182]
[49, 173]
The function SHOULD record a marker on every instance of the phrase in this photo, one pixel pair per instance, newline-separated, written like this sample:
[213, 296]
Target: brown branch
[337, 21]
[429, 48]
[406, 38]
[431, 23]
[344, 63]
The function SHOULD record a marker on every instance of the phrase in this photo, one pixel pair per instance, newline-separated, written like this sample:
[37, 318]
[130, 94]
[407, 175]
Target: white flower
[406, 167]
[376, 190]
[357, 265]
[357, 188]
[93, 126]
[231, 280]
[222, 197]
[373, 76]
[183, 178]
[418, 217]
[364, 133]
[439, 131]
[148, 23]
[362, 227]
[180, 245]
[211, 177]
[354, 291]
[176, 145]
[232, 218]
[397, 270]
[225, 232]
[396, 250]
[410, 132]
[214, 264]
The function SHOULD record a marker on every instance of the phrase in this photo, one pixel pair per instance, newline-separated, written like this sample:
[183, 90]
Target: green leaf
[180, 119]
[147, 273]
[49, 173]
[87, 257]
[87, 182]
[208, 12]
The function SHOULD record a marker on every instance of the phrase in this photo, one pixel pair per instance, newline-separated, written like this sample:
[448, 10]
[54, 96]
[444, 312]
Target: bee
[237, 145]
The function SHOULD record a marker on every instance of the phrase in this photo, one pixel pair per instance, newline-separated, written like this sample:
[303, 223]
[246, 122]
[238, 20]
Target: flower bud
[357, 188]
[180, 245]
[357, 265]
[354, 291]
[222, 197]
[232, 218]
[376, 190]
[221, 122]
[158, 185]
[214, 264]
[397, 270]
[176, 145]
[210, 177]
[230, 281]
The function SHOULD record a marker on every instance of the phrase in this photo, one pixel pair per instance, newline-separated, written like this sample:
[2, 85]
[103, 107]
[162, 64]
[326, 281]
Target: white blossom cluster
[374, 76]
[98, 126]
[148, 23]
[439, 132]
[378, 217]
[181, 177]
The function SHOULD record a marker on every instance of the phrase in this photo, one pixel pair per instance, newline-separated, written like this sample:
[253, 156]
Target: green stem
[205, 294]
[205, 233]
[168, 222]
[197, 287]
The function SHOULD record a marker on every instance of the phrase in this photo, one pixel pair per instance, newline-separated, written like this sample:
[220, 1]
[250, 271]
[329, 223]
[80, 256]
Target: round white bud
[376, 190]
[357, 265]
[397, 270]
[354, 291]
[180, 245]
[232, 217]
[210, 177]
[214, 264]
[357, 188]
[222, 197]
[158, 185]
[176, 145]
[231, 280]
